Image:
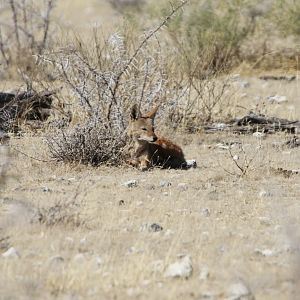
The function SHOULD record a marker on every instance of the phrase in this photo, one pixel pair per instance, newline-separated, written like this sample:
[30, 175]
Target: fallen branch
[253, 123]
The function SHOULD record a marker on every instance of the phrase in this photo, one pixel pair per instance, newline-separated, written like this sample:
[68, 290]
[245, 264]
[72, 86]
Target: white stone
[277, 99]
[182, 186]
[181, 268]
[259, 135]
[239, 291]
[264, 252]
[264, 194]
[131, 183]
[11, 253]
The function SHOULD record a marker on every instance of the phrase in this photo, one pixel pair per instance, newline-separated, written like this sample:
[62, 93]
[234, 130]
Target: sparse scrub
[210, 33]
[286, 16]
[25, 30]
[242, 160]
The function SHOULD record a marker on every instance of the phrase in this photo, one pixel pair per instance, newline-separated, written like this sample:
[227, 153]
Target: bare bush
[90, 143]
[243, 161]
[203, 103]
[24, 31]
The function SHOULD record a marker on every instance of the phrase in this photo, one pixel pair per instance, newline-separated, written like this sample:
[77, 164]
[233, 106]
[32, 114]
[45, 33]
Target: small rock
[205, 212]
[182, 186]
[239, 291]
[220, 125]
[121, 202]
[277, 99]
[131, 183]
[45, 189]
[235, 157]
[155, 228]
[204, 274]
[259, 135]
[165, 194]
[11, 253]
[265, 252]
[263, 194]
[182, 268]
[165, 183]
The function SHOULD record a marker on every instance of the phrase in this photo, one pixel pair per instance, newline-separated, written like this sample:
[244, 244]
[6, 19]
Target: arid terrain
[96, 240]
[228, 229]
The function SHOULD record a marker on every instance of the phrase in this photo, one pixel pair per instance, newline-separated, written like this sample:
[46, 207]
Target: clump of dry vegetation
[25, 31]
[91, 144]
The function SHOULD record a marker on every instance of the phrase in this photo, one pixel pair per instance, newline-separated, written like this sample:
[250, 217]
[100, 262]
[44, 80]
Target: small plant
[241, 160]
[91, 143]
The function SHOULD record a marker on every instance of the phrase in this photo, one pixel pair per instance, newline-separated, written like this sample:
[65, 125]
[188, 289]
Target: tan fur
[148, 149]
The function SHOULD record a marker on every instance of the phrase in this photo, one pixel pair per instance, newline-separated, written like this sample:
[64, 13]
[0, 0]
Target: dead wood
[24, 106]
[273, 77]
[253, 123]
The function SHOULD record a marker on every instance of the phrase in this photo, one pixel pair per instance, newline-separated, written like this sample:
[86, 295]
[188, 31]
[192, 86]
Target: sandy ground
[76, 232]
[96, 241]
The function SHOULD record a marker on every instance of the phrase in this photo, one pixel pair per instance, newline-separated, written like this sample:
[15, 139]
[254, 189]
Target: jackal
[148, 149]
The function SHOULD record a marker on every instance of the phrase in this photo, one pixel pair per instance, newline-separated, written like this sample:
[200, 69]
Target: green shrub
[286, 15]
[209, 32]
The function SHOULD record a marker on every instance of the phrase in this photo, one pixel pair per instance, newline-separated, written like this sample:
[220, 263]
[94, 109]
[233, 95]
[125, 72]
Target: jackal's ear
[152, 113]
[135, 112]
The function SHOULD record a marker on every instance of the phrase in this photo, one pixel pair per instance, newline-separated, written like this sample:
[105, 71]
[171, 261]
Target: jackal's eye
[145, 129]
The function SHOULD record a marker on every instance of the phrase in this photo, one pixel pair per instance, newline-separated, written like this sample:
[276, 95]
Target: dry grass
[219, 219]
[93, 241]
[80, 233]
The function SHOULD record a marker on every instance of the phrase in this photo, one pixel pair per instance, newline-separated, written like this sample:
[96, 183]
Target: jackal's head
[141, 127]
